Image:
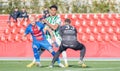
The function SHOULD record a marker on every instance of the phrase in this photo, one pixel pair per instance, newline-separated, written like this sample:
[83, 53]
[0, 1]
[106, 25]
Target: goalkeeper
[69, 40]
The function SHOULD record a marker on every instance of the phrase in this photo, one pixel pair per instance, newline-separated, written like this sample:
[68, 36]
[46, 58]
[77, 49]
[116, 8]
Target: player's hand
[45, 21]
[24, 38]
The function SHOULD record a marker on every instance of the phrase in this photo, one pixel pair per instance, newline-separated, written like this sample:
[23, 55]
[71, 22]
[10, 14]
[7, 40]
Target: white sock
[33, 60]
[64, 55]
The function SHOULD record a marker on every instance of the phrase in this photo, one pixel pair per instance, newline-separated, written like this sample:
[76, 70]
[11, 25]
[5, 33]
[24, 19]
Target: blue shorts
[41, 44]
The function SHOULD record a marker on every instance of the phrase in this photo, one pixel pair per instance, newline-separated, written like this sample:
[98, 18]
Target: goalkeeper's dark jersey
[69, 35]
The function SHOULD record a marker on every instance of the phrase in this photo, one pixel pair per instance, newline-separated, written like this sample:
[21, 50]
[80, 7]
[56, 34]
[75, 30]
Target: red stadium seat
[2, 38]
[95, 17]
[95, 30]
[99, 24]
[84, 24]
[88, 16]
[25, 24]
[117, 30]
[80, 30]
[9, 38]
[113, 23]
[102, 17]
[107, 38]
[103, 31]
[106, 23]
[91, 24]
[88, 31]
[80, 17]
[110, 17]
[13, 31]
[91, 38]
[117, 16]
[7, 31]
[18, 24]
[62, 16]
[114, 38]
[17, 38]
[84, 38]
[21, 31]
[77, 23]
[99, 38]
[66, 16]
[110, 30]
[11, 24]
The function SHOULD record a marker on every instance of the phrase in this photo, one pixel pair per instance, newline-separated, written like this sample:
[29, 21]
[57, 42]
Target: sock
[64, 55]
[58, 60]
[82, 53]
[36, 54]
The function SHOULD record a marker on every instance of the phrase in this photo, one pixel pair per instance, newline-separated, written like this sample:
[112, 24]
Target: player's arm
[61, 30]
[54, 27]
[27, 31]
[51, 33]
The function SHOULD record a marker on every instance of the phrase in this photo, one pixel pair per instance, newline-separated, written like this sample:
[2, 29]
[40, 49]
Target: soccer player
[53, 22]
[69, 40]
[39, 40]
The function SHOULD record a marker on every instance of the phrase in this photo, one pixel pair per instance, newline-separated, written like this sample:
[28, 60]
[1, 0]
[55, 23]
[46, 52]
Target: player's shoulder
[40, 24]
[58, 17]
[62, 27]
[30, 25]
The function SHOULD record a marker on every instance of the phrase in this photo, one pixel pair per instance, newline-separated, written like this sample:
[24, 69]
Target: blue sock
[36, 54]
[58, 60]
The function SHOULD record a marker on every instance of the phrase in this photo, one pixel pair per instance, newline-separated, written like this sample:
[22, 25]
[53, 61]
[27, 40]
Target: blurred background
[65, 6]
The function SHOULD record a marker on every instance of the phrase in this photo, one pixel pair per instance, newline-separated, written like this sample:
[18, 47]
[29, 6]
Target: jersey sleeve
[61, 30]
[41, 25]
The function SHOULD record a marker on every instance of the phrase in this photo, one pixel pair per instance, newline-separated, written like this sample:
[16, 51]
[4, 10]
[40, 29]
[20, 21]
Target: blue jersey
[36, 31]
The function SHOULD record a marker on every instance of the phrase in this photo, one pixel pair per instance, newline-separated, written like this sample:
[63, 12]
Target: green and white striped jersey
[54, 20]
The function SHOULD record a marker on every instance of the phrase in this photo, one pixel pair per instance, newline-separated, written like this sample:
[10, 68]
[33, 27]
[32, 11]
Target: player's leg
[33, 62]
[47, 46]
[57, 55]
[82, 49]
[64, 54]
[36, 54]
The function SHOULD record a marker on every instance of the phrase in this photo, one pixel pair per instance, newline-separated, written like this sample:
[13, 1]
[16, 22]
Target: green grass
[73, 66]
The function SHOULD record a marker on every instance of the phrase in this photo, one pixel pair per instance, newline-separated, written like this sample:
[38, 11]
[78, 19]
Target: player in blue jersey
[39, 40]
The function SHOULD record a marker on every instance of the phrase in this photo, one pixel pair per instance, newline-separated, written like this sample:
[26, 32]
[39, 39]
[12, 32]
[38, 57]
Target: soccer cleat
[50, 66]
[66, 65]
[83, 64]
[31, 64]
[61, 65]
[38, 64]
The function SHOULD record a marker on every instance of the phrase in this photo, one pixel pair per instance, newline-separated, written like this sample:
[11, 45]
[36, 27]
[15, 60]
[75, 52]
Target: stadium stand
[99, 32]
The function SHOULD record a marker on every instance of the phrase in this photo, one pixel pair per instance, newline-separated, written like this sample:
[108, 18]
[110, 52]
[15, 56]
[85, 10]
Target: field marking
[92, 69]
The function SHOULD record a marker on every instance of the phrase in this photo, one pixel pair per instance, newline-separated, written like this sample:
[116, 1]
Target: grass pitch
[73, 66]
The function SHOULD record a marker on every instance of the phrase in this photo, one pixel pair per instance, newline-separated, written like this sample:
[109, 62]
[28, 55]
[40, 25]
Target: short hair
[54, 6]
[68, 20]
